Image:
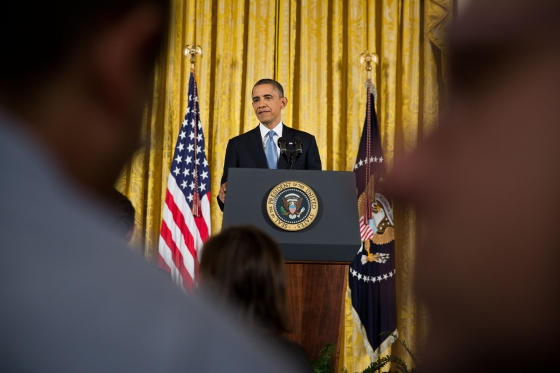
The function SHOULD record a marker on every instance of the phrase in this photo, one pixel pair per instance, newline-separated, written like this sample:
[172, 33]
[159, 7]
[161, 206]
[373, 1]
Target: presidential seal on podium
[292, 205]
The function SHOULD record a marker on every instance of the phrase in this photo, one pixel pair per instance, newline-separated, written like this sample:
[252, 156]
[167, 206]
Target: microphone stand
[298, 152]
[291, 161]
[282, 145]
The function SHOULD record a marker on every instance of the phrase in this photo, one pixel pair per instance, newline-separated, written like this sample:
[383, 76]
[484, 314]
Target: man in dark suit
[259, 148]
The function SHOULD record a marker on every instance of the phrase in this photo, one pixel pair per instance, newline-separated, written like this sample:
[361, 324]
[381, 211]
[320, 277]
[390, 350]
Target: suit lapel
[288, 133]
[256, 148]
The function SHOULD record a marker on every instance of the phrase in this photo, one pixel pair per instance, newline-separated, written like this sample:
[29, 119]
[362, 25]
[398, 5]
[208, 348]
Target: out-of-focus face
[488, 186]
[98, 126]
[268, 105]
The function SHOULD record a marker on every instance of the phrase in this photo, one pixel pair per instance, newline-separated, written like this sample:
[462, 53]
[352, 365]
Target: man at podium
[259, 147]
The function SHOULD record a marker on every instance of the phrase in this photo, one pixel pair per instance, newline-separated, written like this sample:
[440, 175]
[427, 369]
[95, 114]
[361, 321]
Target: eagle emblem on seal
[292, 206]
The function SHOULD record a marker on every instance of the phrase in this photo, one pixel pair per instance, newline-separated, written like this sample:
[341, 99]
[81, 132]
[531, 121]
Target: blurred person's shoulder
[75, 298]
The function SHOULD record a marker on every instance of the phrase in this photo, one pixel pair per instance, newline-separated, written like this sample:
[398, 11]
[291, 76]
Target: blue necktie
[271, 152]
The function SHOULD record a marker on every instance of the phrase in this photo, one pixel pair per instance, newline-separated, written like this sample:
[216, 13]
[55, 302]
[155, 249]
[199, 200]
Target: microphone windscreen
[282, 145]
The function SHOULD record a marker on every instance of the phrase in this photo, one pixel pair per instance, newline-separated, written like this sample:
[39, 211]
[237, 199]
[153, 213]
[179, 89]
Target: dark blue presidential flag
[372, 273]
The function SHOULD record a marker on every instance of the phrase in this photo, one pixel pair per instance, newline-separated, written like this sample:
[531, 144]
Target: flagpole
[368, 58]
[190, 49]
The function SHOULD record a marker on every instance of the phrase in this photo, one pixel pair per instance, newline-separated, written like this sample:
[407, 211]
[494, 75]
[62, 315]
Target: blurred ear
[284, 102]
[122, 57]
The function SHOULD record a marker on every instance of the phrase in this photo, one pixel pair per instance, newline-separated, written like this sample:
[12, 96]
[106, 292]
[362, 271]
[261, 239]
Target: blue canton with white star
[185, 161]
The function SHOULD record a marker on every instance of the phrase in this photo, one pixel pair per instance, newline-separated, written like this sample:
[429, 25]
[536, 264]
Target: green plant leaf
[398, 363]
[323, 364]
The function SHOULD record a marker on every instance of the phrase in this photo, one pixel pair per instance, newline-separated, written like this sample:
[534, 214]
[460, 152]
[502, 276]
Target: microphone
[282, 145]
[298, 146]
[299, 150]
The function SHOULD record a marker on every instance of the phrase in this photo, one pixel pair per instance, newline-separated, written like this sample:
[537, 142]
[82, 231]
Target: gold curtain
[312, 48]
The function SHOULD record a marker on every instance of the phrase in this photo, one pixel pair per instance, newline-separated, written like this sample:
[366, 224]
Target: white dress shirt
[264, 135]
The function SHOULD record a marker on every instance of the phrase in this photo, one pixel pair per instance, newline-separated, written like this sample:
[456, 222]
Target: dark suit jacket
[246, 151]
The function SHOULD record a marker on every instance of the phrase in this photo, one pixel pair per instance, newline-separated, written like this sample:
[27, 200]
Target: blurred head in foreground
[487, 183]
[74, 76]
[77, 74]
[243, 267]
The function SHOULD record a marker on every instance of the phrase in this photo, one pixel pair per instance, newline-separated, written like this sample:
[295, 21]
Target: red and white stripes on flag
[365, 230]
[186, 214]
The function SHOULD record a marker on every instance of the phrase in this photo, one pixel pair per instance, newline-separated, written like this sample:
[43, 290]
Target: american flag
[186, 214]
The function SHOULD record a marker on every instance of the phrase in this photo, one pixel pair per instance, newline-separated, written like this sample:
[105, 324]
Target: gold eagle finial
[193, 51]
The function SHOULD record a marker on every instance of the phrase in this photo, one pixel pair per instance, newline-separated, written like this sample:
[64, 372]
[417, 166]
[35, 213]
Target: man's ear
[122, 53]
[284, 102]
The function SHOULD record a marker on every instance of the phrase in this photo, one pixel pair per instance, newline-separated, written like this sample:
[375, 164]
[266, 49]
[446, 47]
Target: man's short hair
[277, 86]
[38, 36]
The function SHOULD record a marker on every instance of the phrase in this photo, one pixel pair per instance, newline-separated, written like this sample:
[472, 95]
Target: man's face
[268, 105]
[488, 186]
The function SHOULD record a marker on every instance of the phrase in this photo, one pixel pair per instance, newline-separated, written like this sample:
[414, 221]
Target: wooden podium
[317, 256]
[316, 301]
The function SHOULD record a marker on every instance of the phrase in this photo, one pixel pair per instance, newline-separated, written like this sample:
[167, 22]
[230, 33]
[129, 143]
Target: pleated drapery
[312, 48]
